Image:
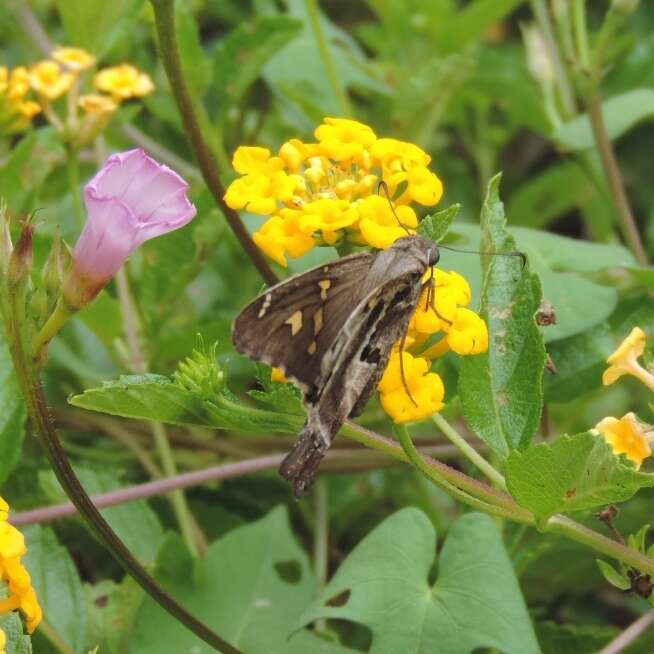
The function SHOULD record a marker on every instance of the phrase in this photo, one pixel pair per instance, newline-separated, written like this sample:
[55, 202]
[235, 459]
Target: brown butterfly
[331, 330]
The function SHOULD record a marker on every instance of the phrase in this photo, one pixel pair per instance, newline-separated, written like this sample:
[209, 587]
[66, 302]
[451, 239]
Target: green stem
[58, 318]
[612, 174]
[139, 365]
[72, 167]
[326, 56]
[469, 452]
[13, 309]
[434, 475]
[539, 8]
[164, 14]
[321, 540]
[177, 498]
[54, 638]
[581, 33]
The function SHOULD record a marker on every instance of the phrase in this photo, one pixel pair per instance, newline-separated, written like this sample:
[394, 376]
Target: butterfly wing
[294, 323]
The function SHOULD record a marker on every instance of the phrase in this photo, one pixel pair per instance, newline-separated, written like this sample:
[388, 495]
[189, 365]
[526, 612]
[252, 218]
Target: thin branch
[613, 175]
[164, 13]
[629, 635]
[32, 27]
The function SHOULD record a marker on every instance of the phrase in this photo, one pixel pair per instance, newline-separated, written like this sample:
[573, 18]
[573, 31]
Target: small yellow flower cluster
[21, 593]
[442, 308]
[325, 192]
[628, 435]
[61, 75]
[16, 110]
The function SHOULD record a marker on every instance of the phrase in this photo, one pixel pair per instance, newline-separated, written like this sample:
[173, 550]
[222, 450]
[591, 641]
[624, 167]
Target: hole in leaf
[339, 600]
[289, 571]
[353, 635]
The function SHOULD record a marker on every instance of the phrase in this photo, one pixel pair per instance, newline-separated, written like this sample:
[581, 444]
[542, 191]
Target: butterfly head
[422, 249]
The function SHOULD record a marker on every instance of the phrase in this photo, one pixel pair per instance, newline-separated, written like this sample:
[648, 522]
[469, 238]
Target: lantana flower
[627, 435]
[74, 59]
[14, 574]
[328, 189]
[129, 201]
[325, 193]
[624, 361]
[123, 82]
[16, 109]
[49, 79]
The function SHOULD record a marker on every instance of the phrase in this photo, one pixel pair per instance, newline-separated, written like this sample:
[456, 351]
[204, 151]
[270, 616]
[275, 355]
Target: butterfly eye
[433, 256]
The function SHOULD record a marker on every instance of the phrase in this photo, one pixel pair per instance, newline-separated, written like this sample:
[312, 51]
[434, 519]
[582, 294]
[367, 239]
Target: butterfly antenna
[516, 253]
[384, 186]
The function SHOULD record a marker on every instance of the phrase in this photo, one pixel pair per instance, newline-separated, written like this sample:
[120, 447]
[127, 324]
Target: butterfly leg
[402, 374]
[431, 297]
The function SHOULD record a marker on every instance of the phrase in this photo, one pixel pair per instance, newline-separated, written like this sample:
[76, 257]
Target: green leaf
[17, 642]
[570, 474]
[26, 167]
[474, 603]
[436, 225]
[154, 397]
[572, 639]
[501, 390]
[614, 577]
[57, 585]
[96, 24]
[470, 23]
[12, 412]
[580, 361]
[250, 587]
[136, 524]
[241, 56]
[621, 113]
[195, 63]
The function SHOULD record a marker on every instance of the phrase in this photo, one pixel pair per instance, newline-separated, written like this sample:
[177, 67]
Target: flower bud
[538, 56]
[130, 200]
[200, 373]
[20, 261]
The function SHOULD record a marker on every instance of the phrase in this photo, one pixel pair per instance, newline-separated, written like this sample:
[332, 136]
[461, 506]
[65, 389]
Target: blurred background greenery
[456, 78]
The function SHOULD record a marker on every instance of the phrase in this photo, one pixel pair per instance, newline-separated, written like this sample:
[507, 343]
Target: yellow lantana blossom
[74, 59]
[21, 593]
[16, 110]
[49, 80]
[123, 82]
[627, 435]
[624, 361]
[345, 164]
[326, 193]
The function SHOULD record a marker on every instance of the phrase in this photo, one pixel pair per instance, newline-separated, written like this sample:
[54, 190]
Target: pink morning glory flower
[130, 200]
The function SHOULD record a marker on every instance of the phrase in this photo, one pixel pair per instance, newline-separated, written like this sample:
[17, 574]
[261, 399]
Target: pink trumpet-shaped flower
[130, 200]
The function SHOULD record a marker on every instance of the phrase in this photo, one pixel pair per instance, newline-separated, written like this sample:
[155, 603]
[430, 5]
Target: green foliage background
[452, 77]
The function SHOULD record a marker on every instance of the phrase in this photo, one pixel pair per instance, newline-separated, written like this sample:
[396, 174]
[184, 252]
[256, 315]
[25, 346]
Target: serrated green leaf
[501, 390]
[154, 397]
[17, 642]
[241, 56]
[12, 412]
[436, 225]
[570, 474]
[250, 587]
[384, 584]
[57, 585]
[96, 24]
[621, 113]
[611, 575]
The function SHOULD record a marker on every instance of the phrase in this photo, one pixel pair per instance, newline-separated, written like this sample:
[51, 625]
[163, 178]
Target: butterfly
[331, 330]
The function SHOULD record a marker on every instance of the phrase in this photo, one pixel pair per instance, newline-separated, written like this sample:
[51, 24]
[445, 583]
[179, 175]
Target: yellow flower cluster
[60, 75]
[442, 308]
[628, 435]
[21, 593]
[326, 192]
[16, 109]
